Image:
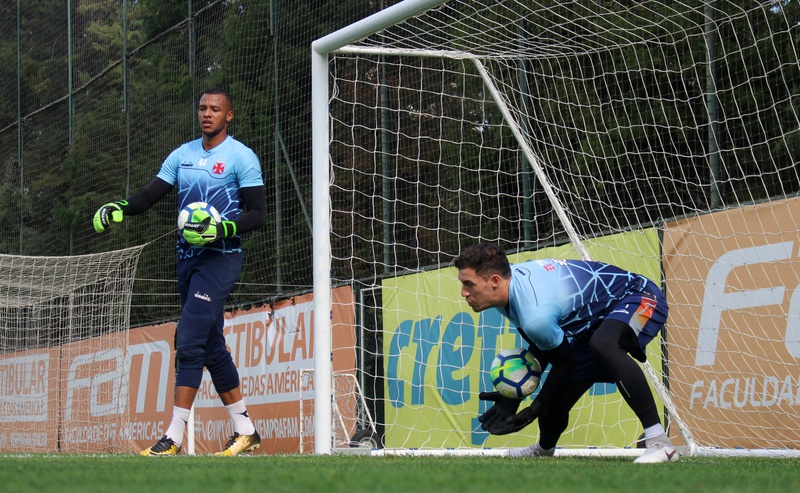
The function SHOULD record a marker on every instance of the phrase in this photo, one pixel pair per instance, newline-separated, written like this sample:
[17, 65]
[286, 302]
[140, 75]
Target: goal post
[320, 51]
[660, 137]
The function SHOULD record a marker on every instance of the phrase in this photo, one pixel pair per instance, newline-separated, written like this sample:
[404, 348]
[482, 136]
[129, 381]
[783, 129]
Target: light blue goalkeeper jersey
[551, 298]
[214, 177]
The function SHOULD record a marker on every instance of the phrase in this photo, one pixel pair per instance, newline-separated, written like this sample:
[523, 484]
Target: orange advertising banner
[270, 347]
[94, 396]
[733, 339]
[27, 422]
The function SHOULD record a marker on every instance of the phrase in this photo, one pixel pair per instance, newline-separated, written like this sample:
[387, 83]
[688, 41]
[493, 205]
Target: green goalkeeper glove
[108, 213]
[201, 233]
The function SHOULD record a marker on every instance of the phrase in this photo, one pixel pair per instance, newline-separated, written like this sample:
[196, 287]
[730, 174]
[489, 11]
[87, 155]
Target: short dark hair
[220, 92]
[485, 259]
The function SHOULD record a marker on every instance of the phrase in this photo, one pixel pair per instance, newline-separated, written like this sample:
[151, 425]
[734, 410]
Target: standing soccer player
[610, 314]
[223, 172]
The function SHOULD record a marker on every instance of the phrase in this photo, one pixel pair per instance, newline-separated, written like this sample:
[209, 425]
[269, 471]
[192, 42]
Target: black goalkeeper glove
[518, 421]
[502, 409]
[108, 213]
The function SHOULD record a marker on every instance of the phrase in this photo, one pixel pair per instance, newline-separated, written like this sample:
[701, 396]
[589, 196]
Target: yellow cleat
[163, 447]
[240, 443]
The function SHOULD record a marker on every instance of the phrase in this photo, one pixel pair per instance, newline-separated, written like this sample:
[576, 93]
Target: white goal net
[63, 352]
[350, 417]
[660, 136]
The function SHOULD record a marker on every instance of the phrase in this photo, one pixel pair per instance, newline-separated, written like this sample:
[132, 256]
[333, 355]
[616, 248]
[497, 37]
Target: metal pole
[70, 97]
[277, 146]
[386, 171]
[70, 101]
[322, 253]
[714, 162]
[195, 130]
[190, 424]
[527, 182]
[20, 127]
[126, 96]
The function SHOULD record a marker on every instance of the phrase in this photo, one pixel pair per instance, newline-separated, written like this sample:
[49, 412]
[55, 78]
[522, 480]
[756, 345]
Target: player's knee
[189, 377]
[224, 375]
[189, 356]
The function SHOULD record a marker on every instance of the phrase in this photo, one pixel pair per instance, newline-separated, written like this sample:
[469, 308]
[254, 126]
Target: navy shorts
[644, 311]
[205, 282]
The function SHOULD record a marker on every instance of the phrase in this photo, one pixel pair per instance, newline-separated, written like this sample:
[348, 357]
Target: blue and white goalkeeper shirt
[214, 177]
[551, 298]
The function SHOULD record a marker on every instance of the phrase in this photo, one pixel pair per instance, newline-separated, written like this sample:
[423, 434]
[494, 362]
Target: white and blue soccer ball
[515, 373]
[199, 212]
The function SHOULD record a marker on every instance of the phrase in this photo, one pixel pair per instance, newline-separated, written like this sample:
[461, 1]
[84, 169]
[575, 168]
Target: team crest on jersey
[550, 264]
[547, 264]
[218, 168]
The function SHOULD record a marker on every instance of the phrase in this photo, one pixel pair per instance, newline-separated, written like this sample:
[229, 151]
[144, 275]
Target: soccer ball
[515, 373]
[200, 213]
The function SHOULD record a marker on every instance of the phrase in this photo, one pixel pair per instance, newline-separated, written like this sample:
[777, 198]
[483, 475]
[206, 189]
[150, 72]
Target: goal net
[659, 136]
[63, 352]
[351, 422]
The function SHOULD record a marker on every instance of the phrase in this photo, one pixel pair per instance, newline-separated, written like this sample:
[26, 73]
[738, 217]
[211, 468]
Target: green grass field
[330, 474]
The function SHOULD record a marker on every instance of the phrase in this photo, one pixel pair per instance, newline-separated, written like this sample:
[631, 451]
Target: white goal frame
[342, 42]
[320, 137]
[321, 48]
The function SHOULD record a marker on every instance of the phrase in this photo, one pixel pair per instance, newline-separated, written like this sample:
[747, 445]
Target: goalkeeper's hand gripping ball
[200, 224]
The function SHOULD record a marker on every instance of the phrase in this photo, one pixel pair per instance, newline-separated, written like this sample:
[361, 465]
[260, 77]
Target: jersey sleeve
[541, 326]
[250, 175]
[169, 168]
[536, 310]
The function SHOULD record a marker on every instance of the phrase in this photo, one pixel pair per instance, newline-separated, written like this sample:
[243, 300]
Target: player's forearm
[251, 220]
[141, 201]
[254, 217]
[562, 363]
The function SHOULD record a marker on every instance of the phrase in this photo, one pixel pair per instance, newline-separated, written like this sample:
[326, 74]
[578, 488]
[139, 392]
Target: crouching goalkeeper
[609, 313]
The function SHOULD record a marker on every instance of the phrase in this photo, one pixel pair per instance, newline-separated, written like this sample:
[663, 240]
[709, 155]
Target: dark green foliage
[119, 131]
[595, 117]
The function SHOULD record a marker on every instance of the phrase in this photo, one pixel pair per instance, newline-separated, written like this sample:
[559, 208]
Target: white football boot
[659, 449]
[534, 450]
